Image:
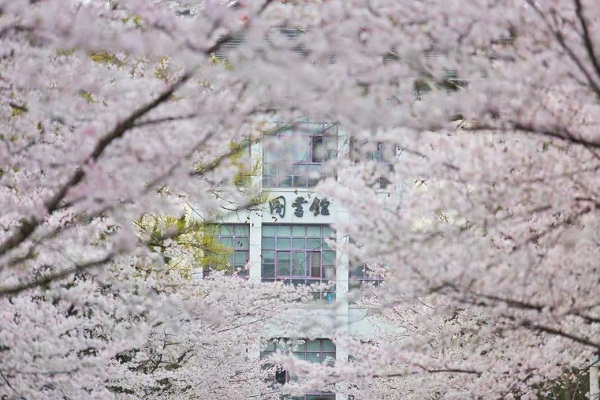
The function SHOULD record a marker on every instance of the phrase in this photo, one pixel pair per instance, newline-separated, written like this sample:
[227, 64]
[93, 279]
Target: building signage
[277, 206]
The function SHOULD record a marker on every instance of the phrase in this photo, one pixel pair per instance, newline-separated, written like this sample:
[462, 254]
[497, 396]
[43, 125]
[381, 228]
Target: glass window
[300, 231]
[313, 231]
[295, 154]
[268, 270]
[299, 255]
[233, 241]
[318, 351]
[284, 230]
[366, 275]
[382, 154]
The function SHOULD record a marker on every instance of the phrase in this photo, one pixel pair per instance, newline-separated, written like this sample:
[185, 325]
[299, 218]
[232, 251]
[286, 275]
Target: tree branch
[29, 225]
[558, 332]
[555, 132]
[21, 287]
[589, 46]
[561, 41]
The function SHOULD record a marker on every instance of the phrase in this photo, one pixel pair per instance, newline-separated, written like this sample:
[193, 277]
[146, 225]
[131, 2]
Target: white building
[290, 238]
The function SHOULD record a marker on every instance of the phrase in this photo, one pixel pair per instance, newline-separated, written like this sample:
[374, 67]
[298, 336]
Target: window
[318, 351]
[380, 156]
[383, 155]
[298, 254]
[294, 156]
[366, 275]
[233, 246]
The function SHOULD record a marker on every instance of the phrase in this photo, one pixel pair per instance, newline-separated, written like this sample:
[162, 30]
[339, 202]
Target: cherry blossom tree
[483, 114]
[493, 239]
[108, 114]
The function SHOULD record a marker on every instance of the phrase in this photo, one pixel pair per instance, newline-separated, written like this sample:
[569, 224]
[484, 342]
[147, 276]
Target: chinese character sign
[318, 206]
[277, 206]
[297, 204]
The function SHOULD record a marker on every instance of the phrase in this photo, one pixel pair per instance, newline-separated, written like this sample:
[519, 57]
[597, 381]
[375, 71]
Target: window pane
[315, 265]
[313, 244]
[329, 273]
[313, 345]
[269, 154]
[318, 149]
[283, 263]
[268, 243]
[285, 182]
[328, 232]
[299, 181]
[268, 230]
[314, 174]
[227, 242]
[284, 231]
[329, 258]
[241, 243]
[281, 377]
[267, 349]
[269, 181]
[298, 243]
[314, 358]
[313, 231]
[298, 231]
[299, 264]
[301, 149]
[268, 169]
[284, 243]
[268, 271]
[242, 230]
[226, 230]
[240, 258]
[328, 346]
[268, 257]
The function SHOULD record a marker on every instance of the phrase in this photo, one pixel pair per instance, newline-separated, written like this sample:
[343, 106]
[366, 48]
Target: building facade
[292, 238]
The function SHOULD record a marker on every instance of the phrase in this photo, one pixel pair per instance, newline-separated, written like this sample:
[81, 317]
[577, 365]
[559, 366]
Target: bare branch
[28, 226]
[558, 332]
[587, 41]
[561, 41]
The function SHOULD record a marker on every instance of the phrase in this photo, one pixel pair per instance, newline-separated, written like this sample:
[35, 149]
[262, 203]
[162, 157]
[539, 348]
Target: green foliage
[87, 96]
[449, 83]
[573, 385]
[64, 53]
[104, 57]
[186, 245]
[215, 59]
[18, 109]
[239, 156]
[163, 69]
